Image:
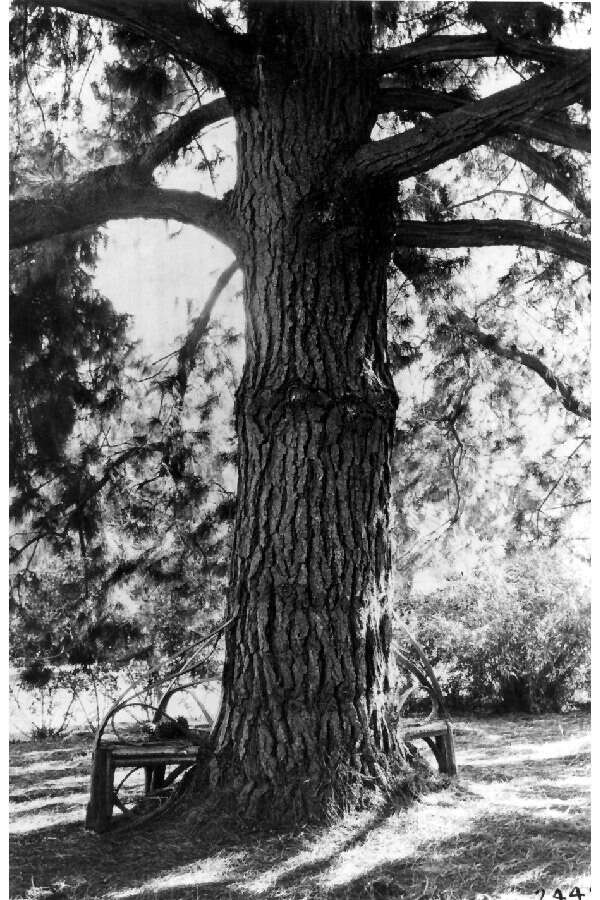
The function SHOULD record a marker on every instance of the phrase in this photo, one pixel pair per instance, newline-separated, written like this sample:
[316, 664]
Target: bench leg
[450, 752]
[444, 752]
[442, 747]
[440, 755]
[155, 777]
[100, 806]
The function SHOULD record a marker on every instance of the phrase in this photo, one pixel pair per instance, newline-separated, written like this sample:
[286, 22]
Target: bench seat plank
[135, 750]
[426, 729]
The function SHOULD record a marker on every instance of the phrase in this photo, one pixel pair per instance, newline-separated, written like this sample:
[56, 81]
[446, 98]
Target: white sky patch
[161, 275]
[161, 272]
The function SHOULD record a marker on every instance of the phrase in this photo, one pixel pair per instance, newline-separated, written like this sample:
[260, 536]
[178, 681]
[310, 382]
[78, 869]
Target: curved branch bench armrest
[153, 756]
[139, 688]
[435, 685]
[436, 728]
[161, 709]
[404, 697]
[411, 667]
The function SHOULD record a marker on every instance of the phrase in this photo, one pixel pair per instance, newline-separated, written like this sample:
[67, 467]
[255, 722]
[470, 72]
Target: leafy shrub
[39, 704]
[47, 703]
[58, 617]
[513, 636]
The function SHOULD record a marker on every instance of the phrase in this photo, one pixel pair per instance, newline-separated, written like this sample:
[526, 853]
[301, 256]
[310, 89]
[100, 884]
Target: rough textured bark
[307, 676]
[302, 723]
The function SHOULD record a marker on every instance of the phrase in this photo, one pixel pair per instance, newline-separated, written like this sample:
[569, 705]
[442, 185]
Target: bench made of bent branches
[436, 729]
[165, 752]
[166, 757]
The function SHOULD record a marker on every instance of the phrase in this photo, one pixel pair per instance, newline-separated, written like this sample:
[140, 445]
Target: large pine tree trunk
[306, 679]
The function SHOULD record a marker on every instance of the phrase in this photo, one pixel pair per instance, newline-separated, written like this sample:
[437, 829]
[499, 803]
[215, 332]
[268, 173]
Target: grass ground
[516, 821]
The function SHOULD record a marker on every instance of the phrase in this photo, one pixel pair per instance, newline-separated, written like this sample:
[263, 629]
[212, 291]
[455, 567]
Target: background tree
[322, 206]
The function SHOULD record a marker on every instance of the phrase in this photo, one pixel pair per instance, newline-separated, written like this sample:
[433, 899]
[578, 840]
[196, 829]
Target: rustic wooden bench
[153, 756]
[157, 750]
[436, 729]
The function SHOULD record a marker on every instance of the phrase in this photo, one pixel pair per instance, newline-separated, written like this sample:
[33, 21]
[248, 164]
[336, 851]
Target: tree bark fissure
[309, 675]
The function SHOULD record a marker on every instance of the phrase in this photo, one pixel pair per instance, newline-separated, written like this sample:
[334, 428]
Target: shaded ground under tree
[516, 820]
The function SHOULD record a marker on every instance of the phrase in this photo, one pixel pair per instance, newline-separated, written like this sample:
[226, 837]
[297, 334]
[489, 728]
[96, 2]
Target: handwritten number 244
[558, 894]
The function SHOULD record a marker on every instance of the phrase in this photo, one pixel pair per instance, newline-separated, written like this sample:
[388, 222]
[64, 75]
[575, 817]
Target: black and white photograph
[299, 450]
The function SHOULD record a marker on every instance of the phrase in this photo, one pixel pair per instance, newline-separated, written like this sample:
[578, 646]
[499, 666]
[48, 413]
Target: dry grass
[515, 821]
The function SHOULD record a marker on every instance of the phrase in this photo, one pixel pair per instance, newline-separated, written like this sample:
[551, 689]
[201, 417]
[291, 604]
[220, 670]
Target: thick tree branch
[180, 133]
[546, 168]
[105, 195]
[440, 48]
[469, 326]
[397, 98]
[543, 128]
[446, 136]
[563, 133]
[493, 232]
[181, 30]
[126, 191]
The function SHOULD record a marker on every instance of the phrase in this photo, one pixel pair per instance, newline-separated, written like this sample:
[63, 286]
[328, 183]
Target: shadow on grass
[499, 855]
[68, 852]
[492, 854]
[499, 829]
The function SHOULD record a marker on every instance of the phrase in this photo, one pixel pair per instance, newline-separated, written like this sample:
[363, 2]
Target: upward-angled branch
[126, 191]
[398, 98]
[440, 48]
[446, 136]
[181, 30]
[491, 233]
[187, 356]
[469, 326]
[180, 133]
[552, 129]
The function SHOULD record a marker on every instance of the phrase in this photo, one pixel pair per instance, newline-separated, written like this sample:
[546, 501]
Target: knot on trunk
[375, 400]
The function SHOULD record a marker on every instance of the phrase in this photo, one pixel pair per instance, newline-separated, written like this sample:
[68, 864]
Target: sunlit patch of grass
[209, 872]
[39, 803]
[517, 753]
[516, 820]
[49, 787]
[33, 771]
